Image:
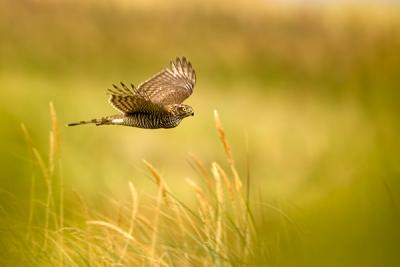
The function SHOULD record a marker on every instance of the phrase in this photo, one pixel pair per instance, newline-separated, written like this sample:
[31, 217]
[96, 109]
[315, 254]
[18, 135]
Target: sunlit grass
[219, 229]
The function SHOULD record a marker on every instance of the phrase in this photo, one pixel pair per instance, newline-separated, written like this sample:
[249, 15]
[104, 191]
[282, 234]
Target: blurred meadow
[308, 95]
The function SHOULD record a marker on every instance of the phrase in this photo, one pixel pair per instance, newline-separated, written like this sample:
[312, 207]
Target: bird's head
[182, 110]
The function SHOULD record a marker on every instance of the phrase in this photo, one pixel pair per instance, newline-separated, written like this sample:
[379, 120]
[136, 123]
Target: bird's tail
[96, 121]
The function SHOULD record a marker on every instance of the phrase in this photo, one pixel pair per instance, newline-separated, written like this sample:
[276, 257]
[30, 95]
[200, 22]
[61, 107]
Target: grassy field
[309, 101]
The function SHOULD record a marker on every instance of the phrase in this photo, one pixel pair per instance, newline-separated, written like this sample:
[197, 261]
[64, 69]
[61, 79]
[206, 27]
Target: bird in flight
[154, 104]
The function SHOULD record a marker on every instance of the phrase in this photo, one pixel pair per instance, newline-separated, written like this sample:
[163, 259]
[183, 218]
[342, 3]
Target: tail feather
[97, 121]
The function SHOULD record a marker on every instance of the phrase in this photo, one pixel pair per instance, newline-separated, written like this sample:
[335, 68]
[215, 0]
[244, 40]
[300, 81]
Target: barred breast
[147, 120]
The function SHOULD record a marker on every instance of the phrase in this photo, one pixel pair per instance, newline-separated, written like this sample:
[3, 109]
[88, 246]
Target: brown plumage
[155, 103]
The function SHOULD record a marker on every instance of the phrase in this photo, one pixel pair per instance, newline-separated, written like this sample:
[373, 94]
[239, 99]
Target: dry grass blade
[54, 155]
[238, 181]
[228, 151]
[54, 138]
[46, 175]
[62, 250]
[154, 172]
[112, 227]
[41, 163]
[162, 194]
[201, 198]
[222, 137]
[135, 206]
[228, 184]
[134, 209]
[199, 166]
[29, 142]
[47, 171]
[54, 127]
[27, 136]
[220, 202]
[84, 211]
[159, 181]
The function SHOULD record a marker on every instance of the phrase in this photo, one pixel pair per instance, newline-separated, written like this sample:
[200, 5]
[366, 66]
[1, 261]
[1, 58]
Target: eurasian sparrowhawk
[156, 103]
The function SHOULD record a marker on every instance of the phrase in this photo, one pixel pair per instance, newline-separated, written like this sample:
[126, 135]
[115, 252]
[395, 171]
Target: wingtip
[179, 61]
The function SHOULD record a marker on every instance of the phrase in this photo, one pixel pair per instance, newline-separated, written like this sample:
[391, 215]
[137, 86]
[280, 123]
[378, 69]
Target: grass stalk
[134, 210]
[162, 196]
[219, 212]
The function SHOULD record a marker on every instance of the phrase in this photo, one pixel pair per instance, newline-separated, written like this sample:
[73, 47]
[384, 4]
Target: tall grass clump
[215, 228]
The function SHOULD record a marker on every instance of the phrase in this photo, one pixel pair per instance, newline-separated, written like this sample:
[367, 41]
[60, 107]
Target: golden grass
[160, 231]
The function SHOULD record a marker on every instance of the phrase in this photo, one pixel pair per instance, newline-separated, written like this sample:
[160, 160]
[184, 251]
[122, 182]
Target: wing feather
[170, 86]
[127, 100]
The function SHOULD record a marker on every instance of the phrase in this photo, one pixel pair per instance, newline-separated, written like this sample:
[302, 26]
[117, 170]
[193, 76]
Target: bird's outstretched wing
[127, 100]
[170, 86]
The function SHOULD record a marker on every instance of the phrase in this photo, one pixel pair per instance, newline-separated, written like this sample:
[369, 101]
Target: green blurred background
[311, 90]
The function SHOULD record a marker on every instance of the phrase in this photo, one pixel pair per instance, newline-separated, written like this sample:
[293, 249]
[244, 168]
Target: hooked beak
[192, 113]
